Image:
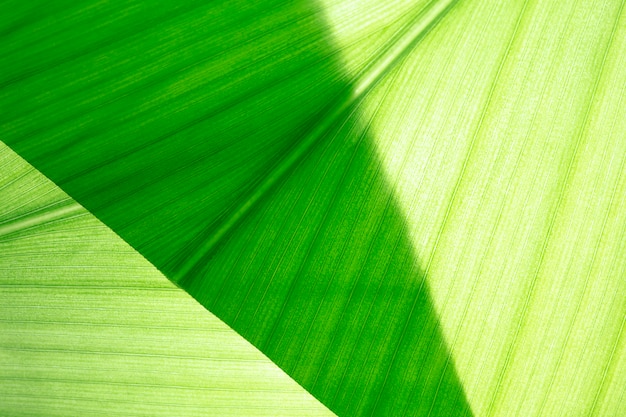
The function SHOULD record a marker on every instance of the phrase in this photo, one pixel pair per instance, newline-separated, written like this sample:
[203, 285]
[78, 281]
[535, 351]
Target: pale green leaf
[89, 327]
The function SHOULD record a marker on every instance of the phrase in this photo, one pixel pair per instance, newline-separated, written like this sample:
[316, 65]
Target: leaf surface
[413, 208]
[89, 327]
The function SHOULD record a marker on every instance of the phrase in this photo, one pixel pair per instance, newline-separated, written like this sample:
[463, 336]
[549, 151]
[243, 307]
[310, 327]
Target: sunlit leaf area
[313, 208]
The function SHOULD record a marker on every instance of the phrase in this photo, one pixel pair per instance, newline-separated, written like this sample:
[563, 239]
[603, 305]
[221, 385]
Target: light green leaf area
[413, 208]
[504, 136]
[89, 327]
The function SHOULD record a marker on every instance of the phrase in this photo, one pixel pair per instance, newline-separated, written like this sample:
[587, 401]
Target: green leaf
[413, 208]
[89, 327]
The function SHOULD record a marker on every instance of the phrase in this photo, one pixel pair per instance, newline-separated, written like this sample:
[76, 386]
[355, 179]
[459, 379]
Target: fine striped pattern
[89, 328]
[413, 208]
[512, 179]
[168, 147]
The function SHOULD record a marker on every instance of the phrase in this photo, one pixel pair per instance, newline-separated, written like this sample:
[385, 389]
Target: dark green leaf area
[164, 121]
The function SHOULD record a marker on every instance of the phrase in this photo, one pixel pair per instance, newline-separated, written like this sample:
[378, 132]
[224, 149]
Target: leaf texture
[187, 143]
[89, 327]
[413, 208]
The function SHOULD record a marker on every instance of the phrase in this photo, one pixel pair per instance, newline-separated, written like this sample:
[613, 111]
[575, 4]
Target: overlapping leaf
[89, 327]
[412, 208]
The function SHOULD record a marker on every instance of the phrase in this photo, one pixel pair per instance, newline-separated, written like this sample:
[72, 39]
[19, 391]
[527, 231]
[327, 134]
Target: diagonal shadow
[333, 293]
[167, 137]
